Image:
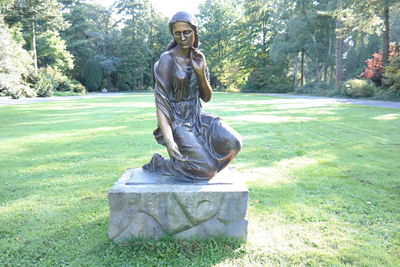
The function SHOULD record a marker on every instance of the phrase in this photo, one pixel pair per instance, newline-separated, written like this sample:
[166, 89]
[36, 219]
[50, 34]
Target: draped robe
[208, 143]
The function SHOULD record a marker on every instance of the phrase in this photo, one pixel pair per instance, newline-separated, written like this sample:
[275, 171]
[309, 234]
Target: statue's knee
[233, 144]
[237, 144]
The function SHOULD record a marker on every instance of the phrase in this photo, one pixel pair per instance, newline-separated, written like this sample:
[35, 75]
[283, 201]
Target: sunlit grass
[324, 183]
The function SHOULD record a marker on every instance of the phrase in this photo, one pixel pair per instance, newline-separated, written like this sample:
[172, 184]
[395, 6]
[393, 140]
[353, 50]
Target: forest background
[324, 47]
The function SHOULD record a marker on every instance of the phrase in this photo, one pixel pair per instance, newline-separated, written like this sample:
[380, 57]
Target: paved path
[375, 103]
[8, 101]
[388, 104]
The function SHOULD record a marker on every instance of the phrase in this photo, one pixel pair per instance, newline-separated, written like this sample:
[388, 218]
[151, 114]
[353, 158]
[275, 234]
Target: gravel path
[8, 101]
[377, 103]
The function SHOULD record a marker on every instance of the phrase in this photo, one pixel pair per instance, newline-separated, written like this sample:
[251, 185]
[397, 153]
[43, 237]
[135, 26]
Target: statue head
[183, 16]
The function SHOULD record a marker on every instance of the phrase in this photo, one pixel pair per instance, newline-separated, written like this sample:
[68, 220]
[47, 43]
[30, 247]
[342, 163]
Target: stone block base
[146, 205]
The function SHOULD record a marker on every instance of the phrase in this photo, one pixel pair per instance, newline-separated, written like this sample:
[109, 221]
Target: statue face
[183, 34]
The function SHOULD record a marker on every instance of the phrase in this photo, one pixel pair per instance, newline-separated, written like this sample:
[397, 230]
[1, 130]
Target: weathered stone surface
[146, 205]
[210, 227]
[199, 207]
[237, 228]
[231, 210]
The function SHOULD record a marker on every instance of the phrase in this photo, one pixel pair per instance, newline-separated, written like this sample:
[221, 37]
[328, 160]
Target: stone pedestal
[146, 205]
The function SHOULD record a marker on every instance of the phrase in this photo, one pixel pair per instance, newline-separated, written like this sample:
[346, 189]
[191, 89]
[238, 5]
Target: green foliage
[359, 88]
[15, 63]
[218, 20]
[142, 41]
[93, 75]
[364, 46]
[45, 14]
[84, 36]
[321, 89]
[255, 45]
[52, 52]
[254, 35]
[67, 85]
[234, 76]
[44, 83]
[391, 79]
[36, 16]
[78, 88]
[49, 80]
[272, 79]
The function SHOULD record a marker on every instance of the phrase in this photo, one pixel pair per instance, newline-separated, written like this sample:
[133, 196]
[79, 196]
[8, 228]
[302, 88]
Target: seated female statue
[199, 144]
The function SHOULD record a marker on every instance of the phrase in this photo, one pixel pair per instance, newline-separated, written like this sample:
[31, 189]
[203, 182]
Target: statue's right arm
[161, 71]
[166, 128]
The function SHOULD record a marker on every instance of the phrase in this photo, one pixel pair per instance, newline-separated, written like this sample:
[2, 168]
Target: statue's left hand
[199, 63]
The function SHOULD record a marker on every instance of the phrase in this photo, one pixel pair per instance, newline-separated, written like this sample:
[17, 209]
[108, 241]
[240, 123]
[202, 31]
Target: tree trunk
[339, 56]
[109, 81]
[330, 53]
[33, 44]
[296, 68]
[386, 37]
[302, 68]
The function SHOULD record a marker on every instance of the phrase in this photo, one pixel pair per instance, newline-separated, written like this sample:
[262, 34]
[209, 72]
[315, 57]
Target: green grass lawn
[324, 182]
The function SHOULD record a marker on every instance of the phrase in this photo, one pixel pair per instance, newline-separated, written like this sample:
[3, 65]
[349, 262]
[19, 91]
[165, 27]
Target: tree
[367, 17]
[256, 33]
[37, 16]
[217, 21]
[374, 69]
[305, 40]
[15, 63]
[143, 38]
[92, 37]
[52, 52]
[338, 50]
[391, 79]
[93, 75]
[83, 21]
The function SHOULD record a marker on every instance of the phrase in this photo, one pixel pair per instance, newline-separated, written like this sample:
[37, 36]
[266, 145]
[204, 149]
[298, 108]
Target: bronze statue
[199, 144]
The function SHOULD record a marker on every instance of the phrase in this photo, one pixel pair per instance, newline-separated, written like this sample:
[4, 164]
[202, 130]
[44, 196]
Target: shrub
[233, 90]
[359, 88]
[79, 88]
[65, 85]
[391, 78]
[15, 91]
[93, 75]
[15, 63]
[270, 78]
[43, 83]
[373, 69]
[315, 88]
[51, 50]
[49, 80]
[374, 66]
[387, 95]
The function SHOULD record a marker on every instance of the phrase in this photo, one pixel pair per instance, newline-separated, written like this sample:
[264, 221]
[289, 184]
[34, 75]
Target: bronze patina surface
[199, 144]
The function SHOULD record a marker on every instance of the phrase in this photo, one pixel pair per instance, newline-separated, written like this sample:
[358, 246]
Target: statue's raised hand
[199, 63]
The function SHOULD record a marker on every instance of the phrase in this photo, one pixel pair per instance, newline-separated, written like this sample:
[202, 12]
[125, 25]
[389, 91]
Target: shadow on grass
[169, 251]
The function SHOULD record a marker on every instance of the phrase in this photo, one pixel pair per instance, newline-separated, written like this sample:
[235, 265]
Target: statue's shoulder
[164, 62]
[165, 57]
